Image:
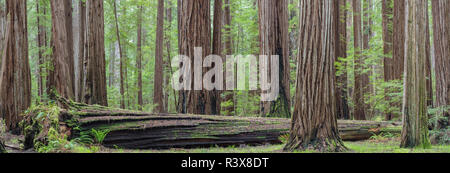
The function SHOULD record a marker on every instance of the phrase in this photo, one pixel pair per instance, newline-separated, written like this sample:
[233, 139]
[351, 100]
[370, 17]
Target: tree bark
[194, 31]
[159, 60]
[228, 50]
[95, 85]
[122, 61]
[42, 45]
[15, 76]
[399, 39]
[358, 98]
[139, 58]
[214, 96]
[367, 86]
[388, 14]
[341, 52]
[274, 40]
[415, 118]
[441, 20]
[61, 77]
[429, 76]
[314, 121]
[79, 24]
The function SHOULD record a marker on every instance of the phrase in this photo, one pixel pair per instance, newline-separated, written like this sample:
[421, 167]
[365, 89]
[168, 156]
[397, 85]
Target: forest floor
[378, 144]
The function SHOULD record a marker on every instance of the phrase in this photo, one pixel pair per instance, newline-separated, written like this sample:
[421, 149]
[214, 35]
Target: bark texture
[194, 31]
[359, 111]
[314, 120]
[341, 52]
[415, 118]
[159, 60]
[228, 50]
[441, 25]
[274, 40]
[140, 100]
[95, 78]
[15, 75]
[61, 77]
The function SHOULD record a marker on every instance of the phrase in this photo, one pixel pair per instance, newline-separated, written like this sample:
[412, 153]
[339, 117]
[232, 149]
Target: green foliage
[100, 135]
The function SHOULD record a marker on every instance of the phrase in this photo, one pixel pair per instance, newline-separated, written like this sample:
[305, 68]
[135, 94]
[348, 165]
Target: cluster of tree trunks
[15, 76]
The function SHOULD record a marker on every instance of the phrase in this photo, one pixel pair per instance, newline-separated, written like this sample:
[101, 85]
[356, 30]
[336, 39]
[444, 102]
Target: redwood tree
[194, 30]
[358, 98]
[61, 77]
[314, 121]
[274, 40]
[15, 76]
[441, 25]
[159, 60]
[415, 118]
[95, 78]
[341, 52]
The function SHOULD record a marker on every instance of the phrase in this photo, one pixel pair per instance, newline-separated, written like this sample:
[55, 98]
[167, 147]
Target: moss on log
[138, 130]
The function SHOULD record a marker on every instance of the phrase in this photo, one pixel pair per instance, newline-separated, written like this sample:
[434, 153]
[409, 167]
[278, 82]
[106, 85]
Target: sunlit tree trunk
[15, 75]
[415, 118]
[314, 120]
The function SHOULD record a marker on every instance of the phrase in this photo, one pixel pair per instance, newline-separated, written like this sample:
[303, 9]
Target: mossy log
[138, 130]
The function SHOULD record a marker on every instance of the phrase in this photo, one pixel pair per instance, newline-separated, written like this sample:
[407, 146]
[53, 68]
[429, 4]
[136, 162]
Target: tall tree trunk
[159, 60]
[95, 84]
[367, 36]
[42, 45]
[228, 50]
[194, 31]
[358, 97]
[314, 121]
[61, 77]
[122, 62]
[415, 118]
[214, 96]
[2, 27]
[169, 59]
[399, 39]
[15, 76]
[341, 52]
[429, 76]
[441, 25]
[388, 13]
[274, 40]
[139, 58]
[79, 25]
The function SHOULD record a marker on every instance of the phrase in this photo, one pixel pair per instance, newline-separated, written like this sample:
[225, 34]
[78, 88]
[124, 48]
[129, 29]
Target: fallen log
[138, 130]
